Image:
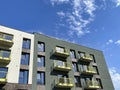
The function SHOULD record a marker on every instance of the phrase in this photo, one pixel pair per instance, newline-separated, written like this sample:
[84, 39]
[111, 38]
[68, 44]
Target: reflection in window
[41, 61]
[25, 59]
[23, 77]
[41, 78]
[75, 67]
[3, 72]
[26, 43]
[60, 63]
[6, 36]
[41, 47]
[4, 53]
[81, 54]
[60, 49]
[77, 81]
[72, 54]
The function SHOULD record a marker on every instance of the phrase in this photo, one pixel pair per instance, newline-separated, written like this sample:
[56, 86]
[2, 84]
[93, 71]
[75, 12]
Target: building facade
[38, 62]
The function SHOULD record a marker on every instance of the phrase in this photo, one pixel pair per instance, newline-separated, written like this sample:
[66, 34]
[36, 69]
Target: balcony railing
[4, 56]
[3, 77]
[92, 85]
[6, 39]
[64, 82]
[89, 70]
[62, 66]
[64, 53]
[86, 58]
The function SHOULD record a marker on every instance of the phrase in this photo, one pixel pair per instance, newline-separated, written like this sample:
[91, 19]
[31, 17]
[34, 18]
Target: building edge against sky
[38, 62]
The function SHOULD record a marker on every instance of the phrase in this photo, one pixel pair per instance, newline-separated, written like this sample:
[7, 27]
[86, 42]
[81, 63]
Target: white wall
[16, 49]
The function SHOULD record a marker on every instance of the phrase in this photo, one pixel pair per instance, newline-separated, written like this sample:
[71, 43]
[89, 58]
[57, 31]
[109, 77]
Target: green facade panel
[51, 75]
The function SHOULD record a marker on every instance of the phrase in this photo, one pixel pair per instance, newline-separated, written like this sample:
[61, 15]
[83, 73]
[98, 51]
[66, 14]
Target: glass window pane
[1, 35]
[60, 49]
[6, 54]
[3, 72]
[41, 78]
[72, 54]
[75, 68]
[41, 61]
[23, 77]
[25, 58]
[26, 43]
[8, 37]
[41, 47]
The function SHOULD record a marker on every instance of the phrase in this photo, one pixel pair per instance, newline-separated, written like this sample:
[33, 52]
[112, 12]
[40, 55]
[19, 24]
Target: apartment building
[32, 61]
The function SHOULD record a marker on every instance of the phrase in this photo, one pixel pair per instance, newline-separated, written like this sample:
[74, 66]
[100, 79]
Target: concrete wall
[50, 75]
[16, 49]
[50, 44]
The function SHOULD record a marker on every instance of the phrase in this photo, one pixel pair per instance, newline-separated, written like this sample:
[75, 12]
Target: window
[26, 43]
[25, 59]
[75, 67]
[77, 81]
[3, 72]
[23, 77]
[1, 35]
[72, 54]
[81, 54]
[60, 63]
[6, 36]
[41, 47]
[41, 78]
[93, 58]
[41, 61]
[99, 82]
[60, 49]
[96, 69]
[4, 53]
[85, 68]
[83, 82]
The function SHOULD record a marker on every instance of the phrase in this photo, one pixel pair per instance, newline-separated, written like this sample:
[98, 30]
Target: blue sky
[92, 23]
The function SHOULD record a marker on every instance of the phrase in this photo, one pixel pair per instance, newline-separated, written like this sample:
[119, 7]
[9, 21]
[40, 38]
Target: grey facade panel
[50, 74]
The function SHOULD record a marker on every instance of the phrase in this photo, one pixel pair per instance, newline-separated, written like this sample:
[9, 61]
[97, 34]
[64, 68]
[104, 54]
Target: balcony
[62, 82]
[6, 39]
[3, 79]
[4, 57]
[61, 52]
[62, 66]
[89, 70]
[86, 58]
[92, 85]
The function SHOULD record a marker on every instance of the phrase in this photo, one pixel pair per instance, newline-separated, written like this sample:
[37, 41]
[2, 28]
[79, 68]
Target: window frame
[42, 60]
[40, 78]
[41, 47]
[72, 54]
[26, 44]
[24, 79]
[26, 59]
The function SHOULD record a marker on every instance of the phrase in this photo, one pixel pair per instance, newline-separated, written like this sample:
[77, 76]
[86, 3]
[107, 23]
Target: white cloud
[58, 1]
[115, 75]
[61, 14]
[117, 2]
[74, 16]
[109, 42]
[117, 42]
[90, 6]
[76, 23]
[113, 42]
